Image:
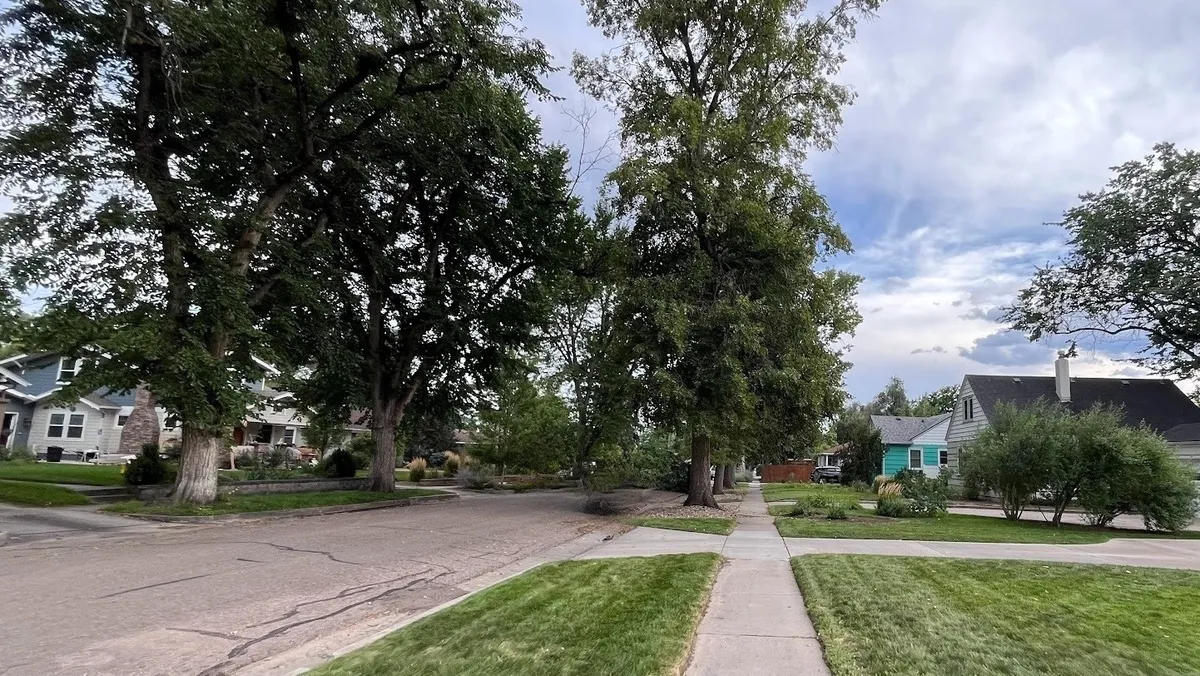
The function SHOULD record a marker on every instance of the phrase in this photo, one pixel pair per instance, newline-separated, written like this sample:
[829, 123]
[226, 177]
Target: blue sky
[975, 125]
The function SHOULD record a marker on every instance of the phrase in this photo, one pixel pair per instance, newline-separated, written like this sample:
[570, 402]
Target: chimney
[1062, 378]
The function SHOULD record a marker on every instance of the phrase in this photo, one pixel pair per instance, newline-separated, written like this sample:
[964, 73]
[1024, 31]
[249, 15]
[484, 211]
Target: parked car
[831, 474]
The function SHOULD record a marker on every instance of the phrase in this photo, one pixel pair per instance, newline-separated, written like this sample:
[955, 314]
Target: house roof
[1185, 432]
[1158, 403]
[901, 429]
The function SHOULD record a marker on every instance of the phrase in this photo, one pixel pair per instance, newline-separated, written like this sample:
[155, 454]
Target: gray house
[1157, 403]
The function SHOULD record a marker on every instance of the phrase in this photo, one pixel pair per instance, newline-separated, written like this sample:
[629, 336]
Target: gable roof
[1158, 403]
[901, 429]
[1185, 432]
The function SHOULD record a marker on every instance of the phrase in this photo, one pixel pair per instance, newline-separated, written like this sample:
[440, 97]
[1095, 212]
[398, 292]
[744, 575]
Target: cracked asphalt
[257, 598]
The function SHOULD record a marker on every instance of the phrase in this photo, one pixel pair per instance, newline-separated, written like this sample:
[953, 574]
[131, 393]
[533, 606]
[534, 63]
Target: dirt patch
[727, 511]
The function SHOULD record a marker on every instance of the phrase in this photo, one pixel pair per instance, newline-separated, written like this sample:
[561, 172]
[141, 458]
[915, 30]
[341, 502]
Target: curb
[293, 513]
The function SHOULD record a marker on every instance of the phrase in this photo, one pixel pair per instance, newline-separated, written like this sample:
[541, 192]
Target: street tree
[719, 104]
[1132, 265]
[151, 148]
[937, 402]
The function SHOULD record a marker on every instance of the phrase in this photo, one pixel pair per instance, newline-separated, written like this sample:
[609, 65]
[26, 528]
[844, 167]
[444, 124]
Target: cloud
[1007, 348]
[991, 315]
[936, 349]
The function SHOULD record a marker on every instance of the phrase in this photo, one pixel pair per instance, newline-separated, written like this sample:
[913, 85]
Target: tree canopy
[1132, 266]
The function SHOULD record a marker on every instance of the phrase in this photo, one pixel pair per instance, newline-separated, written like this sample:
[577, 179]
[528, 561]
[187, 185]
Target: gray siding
[98, 431]
[1189, 452]
[961, 432]
[20, 435]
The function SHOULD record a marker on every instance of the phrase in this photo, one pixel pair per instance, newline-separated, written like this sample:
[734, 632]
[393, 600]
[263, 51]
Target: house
[1157, 403]
[93, 423]
[913, 443]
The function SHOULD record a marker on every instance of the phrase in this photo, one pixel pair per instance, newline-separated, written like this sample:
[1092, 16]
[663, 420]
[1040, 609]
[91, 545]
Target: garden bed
[899, 615]
[956, 528]
[613, 616]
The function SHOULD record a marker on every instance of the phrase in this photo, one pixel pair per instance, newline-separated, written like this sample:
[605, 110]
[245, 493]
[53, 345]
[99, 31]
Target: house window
[289, 436]
[914, 458]
[943, 458]
[68, 368]
[170, 423]
[66, 425]
[121, 420]
[968, 408]
[264, 435]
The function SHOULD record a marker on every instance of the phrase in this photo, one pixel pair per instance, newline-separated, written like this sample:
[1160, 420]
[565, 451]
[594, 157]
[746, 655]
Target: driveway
[215, 599]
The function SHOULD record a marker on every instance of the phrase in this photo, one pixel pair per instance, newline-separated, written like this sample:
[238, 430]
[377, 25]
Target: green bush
[474, 477]
[148, 468]
[267, 473]
[339, 464]
[1011, 456]
[362, 449]
[836, 511]
[803, 507]
[1147, 478]
[893, 507]
[17, 454]
[926, 496]
[860, 486]
[676, 477]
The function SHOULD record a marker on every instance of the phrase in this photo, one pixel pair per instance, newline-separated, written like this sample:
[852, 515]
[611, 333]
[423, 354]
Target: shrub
[1147, 478]
[1011, 456]
[892, 506]
[889, 489]
[836, 511]
[474, 477]
[339, 464]
[971, 487]
[416, 470]
[362, 449]
[879, 482]
[803, 507]
[148, 468]
[926, 497]
[676, 477]
[601, 505]
[860, 486]
[17, 454]
[266, 473]
[451, 464]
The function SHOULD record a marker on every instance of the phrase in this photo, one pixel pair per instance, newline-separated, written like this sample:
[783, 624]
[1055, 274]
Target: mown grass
[958, 528]
[900, 615]
[576, 618]
[32, 494]
[710, 525]
[844, 494]
[267, 502]
[55, 473]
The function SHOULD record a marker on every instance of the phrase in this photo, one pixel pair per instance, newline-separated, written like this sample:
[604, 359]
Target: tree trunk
[699, 487]
[196, 482]
[729, 482]
[718, 485]
[383, 463]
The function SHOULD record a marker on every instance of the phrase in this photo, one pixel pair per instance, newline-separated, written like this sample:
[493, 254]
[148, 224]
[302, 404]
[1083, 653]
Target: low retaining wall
[776, 474]
[275, 486]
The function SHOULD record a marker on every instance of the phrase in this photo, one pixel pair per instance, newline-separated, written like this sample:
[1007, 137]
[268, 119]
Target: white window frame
[117, 423]
[76, 364]
[920, 458]
[12, 431]
[968, 408]
[66, 424]
[284, 439]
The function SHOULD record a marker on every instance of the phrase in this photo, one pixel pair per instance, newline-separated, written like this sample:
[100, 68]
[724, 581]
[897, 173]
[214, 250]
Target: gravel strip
[727, 512]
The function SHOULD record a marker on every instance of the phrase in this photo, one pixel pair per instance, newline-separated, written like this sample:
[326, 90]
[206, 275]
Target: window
[171, 422]
[914, 458]
[66, 425]
[264, 435]
[944, 458]
[121, 420]
[289, 436]
[968, 408]
[68, 368]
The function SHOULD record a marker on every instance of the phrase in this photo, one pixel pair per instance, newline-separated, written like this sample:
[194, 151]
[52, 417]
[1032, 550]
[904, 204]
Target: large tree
[152, 147]
[937, 402]
[441, 240]
[1132, 267]
[719, 103]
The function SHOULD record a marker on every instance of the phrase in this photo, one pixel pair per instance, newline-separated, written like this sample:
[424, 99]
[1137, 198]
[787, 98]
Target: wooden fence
[800, 471]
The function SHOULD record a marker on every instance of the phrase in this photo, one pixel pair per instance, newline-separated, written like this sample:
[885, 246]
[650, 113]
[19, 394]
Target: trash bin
[54, 454]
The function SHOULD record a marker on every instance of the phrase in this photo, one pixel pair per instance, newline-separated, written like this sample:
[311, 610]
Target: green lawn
[778, 492]
[576, 618]
[899, 615]
[55, 473]
[958, 528]
[267, 502]
[711, 525]
[39, 494]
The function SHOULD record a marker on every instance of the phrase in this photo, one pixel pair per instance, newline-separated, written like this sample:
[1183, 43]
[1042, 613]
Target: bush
[879, 481]
[926, 497]
[889, 489]
[836, 511]
[803, 507]
[1146, 478]
[971, 488]
[907, 476]
[451, 464]
[474, 477]
[416, 470]
[266, 473]
[339, 464]
[860, 486]
[148, 468]
[17, 454]
[362, 449]
[1011, 457]
[892, 506]
[676, 477]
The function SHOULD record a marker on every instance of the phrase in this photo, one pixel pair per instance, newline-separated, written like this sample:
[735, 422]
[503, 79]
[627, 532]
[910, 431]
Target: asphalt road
[91, 594]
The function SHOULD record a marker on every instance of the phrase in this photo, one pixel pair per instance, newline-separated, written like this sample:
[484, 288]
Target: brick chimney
[142, 427]
[1062, 378]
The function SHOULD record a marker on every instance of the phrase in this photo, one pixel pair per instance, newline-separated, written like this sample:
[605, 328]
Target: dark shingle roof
[1160, 404]
[1185, 432]
[899, 429]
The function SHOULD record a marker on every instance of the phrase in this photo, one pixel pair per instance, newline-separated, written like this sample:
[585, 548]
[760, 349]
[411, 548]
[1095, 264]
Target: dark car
[831, 474]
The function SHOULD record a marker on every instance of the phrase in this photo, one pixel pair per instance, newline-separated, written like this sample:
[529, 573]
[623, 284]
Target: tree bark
[196, 482]
[699, 487]
[729, 482]
[718, 484]
[383, 463]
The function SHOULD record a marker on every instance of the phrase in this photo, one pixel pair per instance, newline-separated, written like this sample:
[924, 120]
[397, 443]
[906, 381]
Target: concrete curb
[293, 513]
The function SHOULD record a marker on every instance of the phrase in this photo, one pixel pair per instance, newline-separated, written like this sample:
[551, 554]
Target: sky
[976, 124]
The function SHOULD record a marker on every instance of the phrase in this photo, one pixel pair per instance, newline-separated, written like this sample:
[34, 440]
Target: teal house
[913, 443]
